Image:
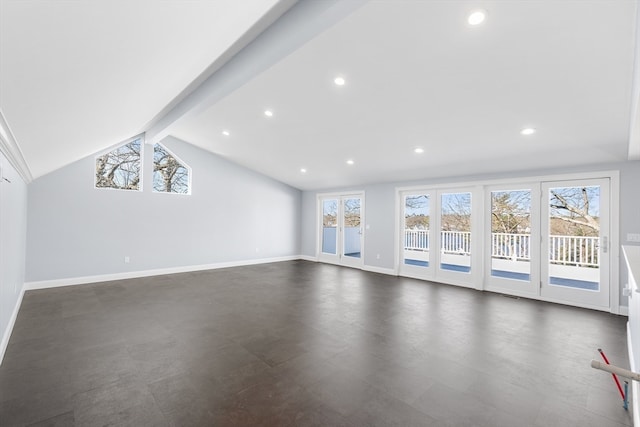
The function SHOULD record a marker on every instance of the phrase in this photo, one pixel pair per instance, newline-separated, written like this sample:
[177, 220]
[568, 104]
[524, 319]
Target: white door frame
[529, 289]
[416, 272]
[473, 278]
[339, 258]
[434, 271]
[601, 298]
[480, 282]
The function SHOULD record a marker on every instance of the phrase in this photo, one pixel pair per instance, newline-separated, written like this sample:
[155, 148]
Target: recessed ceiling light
[418, 150]
[268, 113]
[527, 131]
[339, 81]
[303, 170]
[350, 162]
[477, 17]
[226, 133]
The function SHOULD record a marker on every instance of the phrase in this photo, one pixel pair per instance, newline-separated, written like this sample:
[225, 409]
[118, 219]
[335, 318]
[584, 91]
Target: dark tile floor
[304, 344]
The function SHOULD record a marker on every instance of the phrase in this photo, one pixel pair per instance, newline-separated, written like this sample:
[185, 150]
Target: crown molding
[10, 148]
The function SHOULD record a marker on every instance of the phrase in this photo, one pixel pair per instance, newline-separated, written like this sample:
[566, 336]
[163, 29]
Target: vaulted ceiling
[78, 77]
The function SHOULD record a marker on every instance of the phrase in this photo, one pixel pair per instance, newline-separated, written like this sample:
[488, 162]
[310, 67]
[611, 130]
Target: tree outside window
[120, 168]
[170, 175]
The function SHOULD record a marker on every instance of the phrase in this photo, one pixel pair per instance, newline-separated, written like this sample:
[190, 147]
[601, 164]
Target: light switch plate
[633, 237]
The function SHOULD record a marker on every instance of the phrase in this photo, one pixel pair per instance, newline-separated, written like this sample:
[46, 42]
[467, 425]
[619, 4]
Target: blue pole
[626, 395]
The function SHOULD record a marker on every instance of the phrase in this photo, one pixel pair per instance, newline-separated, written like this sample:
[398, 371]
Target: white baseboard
[623, 310]
[381, 270]
[308, 258]
[12, 321]
[44, 284]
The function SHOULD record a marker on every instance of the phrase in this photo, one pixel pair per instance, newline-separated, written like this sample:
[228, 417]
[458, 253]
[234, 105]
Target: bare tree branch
[562, 203]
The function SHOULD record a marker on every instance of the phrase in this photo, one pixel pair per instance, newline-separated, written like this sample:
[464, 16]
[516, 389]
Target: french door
[341, 232]
[542, 239]
[550, 240]
[436, 232]
[513, 262]
[575, 242]
[417, 233]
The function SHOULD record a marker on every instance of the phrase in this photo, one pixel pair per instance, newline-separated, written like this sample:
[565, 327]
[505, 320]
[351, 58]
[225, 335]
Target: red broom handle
[615, 377]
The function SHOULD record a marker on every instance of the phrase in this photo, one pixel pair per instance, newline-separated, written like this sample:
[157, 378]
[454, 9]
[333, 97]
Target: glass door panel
[330, 226]
[455, 232]
[574, 236]
[341, 237]
[352, 245]
[415, 232]
[512, 245]
[511, 234]
[575, 242]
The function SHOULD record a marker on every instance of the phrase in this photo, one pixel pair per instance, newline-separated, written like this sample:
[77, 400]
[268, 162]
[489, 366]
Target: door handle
[605, 244]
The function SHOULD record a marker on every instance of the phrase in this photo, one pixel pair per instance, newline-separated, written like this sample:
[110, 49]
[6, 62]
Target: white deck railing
[574, 250]
[512, 246]
[416, 240]
[453, 242]
[564, 250]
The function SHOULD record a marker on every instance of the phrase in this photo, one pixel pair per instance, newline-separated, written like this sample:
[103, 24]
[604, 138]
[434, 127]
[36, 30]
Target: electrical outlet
[633, 237]
[378, 256]
[126, 260]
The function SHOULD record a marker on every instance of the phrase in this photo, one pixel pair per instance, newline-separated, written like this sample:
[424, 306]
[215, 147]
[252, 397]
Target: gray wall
[233, 214]
[13, 232]
[380, 210]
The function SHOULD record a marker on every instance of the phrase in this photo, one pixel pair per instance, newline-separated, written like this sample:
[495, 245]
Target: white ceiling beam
[246, 59]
